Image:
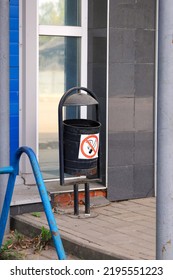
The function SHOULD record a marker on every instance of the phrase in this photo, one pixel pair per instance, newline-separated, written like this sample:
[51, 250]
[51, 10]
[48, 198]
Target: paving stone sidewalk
[120, 230]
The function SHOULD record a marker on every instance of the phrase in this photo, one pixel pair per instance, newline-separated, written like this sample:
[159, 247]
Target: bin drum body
[73, 129]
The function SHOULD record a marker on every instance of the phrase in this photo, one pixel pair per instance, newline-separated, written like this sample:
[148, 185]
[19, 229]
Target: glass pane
[59, 60]
[60, 12]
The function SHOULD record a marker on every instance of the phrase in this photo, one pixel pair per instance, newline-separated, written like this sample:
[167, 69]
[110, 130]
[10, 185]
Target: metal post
[87, 199]
[12, 170]
[4, 95]
[164, 229]
[76, 203]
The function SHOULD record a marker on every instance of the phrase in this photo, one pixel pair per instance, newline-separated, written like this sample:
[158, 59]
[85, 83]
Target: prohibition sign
[89, 146]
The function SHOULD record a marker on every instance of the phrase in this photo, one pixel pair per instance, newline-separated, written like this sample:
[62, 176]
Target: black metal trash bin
[79, 149]
[79, 152]
[81, 145]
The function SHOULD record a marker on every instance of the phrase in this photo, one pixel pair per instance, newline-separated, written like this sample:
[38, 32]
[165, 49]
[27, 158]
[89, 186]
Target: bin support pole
[76, 204]
[87, 199]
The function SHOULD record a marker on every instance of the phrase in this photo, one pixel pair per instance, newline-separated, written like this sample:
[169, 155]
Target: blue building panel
[14, 9]
[14, 85]
[14, 23]
[14, 49]
[14, 61]
[14, 72]
[14, 126]
[14, 77]
[14, 2]
[14, 96]
[14, 36]
[14, 109]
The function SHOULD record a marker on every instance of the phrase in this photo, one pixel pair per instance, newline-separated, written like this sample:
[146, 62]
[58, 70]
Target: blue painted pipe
[43, 194]
[7, 202]
[6, 170]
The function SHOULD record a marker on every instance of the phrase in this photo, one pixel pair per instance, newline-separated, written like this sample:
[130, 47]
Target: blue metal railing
[12, 171]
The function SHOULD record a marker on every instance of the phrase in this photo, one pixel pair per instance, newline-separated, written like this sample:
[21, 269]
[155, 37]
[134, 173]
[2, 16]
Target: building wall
[14, 76]
[131, 99]
[97, 55]
[130, 94]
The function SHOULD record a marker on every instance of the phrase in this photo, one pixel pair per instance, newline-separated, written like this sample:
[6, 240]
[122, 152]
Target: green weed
[43, 239]
[36, 214]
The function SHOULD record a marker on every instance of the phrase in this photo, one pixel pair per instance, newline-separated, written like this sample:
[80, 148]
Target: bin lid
[80, 99]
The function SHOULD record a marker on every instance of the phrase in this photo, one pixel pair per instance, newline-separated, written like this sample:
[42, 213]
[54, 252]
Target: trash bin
[81, 146]
[79, 139]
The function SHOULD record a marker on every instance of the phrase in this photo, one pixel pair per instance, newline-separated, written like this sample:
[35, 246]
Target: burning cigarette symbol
[91, 146]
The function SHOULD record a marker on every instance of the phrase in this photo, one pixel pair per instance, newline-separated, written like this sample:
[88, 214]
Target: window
[55, 60]
[59, 69]
[60, 12]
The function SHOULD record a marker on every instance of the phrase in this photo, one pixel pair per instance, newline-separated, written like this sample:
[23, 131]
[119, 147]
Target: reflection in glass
[59, 60]
[60, 12]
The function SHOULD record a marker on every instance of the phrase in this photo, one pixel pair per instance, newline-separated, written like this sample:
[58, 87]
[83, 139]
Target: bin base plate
[83, 215]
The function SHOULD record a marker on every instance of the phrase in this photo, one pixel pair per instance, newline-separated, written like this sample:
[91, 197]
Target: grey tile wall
[122, 149]
[143, 152]
[97, 55]
[144, 79]
[131, 99]
[121, 114]
[97, 14]
[121, 81]
[143, 180]
[144, 46]
[124, 40]
[122, 178]
[131, 92]
[132, 14]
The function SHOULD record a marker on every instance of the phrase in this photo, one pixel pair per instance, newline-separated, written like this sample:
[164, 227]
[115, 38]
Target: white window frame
[29, 67]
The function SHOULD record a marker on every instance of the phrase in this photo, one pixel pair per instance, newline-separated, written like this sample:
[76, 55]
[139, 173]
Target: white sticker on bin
[89, 146]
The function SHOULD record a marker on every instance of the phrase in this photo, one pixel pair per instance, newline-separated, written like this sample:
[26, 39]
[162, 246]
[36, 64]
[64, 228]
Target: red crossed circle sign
[89, 146]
